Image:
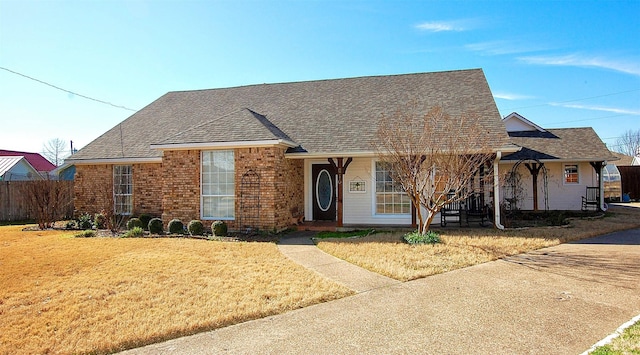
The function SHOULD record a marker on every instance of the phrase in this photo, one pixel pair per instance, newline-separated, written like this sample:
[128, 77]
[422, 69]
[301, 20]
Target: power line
[589, 119]
[68, 91]
[573, 100]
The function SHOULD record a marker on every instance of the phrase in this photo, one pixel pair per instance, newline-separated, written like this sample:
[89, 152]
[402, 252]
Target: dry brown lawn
[64, 295]
[387, 254]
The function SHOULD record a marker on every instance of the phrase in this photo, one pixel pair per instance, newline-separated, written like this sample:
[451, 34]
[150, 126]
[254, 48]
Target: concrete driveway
[558, 300]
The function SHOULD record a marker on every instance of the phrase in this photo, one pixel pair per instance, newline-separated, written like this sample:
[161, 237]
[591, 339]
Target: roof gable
[36, 160]
[514, 122]
[17, 166]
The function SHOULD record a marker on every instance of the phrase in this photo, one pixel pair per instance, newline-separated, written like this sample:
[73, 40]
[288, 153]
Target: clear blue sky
[558, 63]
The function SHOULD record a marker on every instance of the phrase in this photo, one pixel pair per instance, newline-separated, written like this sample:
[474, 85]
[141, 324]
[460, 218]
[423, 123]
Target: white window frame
[217, 186]
[122, 190]
[401, 194]
[565, 174]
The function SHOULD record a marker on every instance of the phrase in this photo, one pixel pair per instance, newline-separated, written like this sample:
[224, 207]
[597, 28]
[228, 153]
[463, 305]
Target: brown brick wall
[180, 179]
[93, 188]
[281, 185]
[172, 189]
[147, 189]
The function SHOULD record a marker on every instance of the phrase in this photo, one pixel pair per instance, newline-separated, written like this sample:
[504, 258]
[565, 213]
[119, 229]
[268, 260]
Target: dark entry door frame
[324, 192]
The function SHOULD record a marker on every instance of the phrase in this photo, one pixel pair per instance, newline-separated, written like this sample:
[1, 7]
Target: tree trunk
[427, 222]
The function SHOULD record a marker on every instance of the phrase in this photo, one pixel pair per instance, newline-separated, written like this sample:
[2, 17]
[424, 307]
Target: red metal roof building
[40, 163]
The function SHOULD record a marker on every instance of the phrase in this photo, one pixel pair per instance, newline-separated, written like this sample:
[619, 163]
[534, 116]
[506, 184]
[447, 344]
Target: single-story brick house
[264, 156]
[561, 163]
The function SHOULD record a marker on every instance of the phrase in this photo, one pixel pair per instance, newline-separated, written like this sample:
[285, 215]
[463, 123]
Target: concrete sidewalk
[558, 300]
[299, 247]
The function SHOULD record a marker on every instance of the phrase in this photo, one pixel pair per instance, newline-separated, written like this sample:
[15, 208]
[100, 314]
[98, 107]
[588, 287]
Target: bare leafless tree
[48, 200]
[435, 157]
[629, 143]
[55, 150]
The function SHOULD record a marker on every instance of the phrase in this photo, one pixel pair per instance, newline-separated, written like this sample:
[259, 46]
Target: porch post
[534, 169]
[340, 170]
[597, 166]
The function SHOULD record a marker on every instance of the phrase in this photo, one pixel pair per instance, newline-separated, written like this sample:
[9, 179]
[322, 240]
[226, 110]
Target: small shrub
[155, 226]
[430, 237]
[176, 226]
[84, 221]
[145, 219]
[219, 228]
[557, 219]
[134, 222]
[100, 221]
[195, 227]
[135, 232]
[70, 225]
[85, 234]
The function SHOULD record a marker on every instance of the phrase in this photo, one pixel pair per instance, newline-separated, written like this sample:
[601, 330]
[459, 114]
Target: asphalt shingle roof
[577, 144]
[624, 160]
[325, 116]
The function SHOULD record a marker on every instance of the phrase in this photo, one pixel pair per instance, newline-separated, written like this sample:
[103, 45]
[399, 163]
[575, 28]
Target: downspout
[496, 192]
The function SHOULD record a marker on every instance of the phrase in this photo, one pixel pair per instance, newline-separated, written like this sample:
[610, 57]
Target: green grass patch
[86, 234]
[416, 237]
[627, 343]
[349, 234]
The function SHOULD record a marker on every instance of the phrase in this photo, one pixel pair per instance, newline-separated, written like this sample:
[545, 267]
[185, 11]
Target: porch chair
[451, 209]
[592, 199]
[476, 209]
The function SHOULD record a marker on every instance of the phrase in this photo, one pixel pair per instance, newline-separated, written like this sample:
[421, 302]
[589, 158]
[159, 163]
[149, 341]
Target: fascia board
[225, 145]
[113, 161]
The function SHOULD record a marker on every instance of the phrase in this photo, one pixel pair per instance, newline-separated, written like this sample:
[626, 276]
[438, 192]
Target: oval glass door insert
[324, 190]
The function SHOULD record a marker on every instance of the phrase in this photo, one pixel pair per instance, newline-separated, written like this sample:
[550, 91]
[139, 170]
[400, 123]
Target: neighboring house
[65, 172]
[37, 161]
[264, 156]
[554, 167]
[625, 160]
[628, 168]
[16, 168]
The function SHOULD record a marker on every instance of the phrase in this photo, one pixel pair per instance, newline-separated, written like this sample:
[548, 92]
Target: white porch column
[601, 187]
[496, 191]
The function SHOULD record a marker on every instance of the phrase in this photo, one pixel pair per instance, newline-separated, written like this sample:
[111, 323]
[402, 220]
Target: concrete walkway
[558, 300]
[300, 248]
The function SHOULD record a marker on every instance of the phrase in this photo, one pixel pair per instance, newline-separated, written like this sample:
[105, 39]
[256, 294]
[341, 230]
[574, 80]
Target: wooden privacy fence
[630, 176]
[15, 204]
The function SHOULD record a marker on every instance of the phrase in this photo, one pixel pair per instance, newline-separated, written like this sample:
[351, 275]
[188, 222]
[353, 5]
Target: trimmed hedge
[176, 226]
[145, 219]
[156, 226]
[134, 222]
[196, 227]
[219, 228]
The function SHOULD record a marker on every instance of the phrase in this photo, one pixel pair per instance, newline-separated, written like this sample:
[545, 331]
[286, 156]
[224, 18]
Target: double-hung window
[391, 199]
[218, 185]
[122, 190]
[571, 174]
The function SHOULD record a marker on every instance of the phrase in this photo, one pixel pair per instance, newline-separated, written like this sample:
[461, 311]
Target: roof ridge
[326, 80]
